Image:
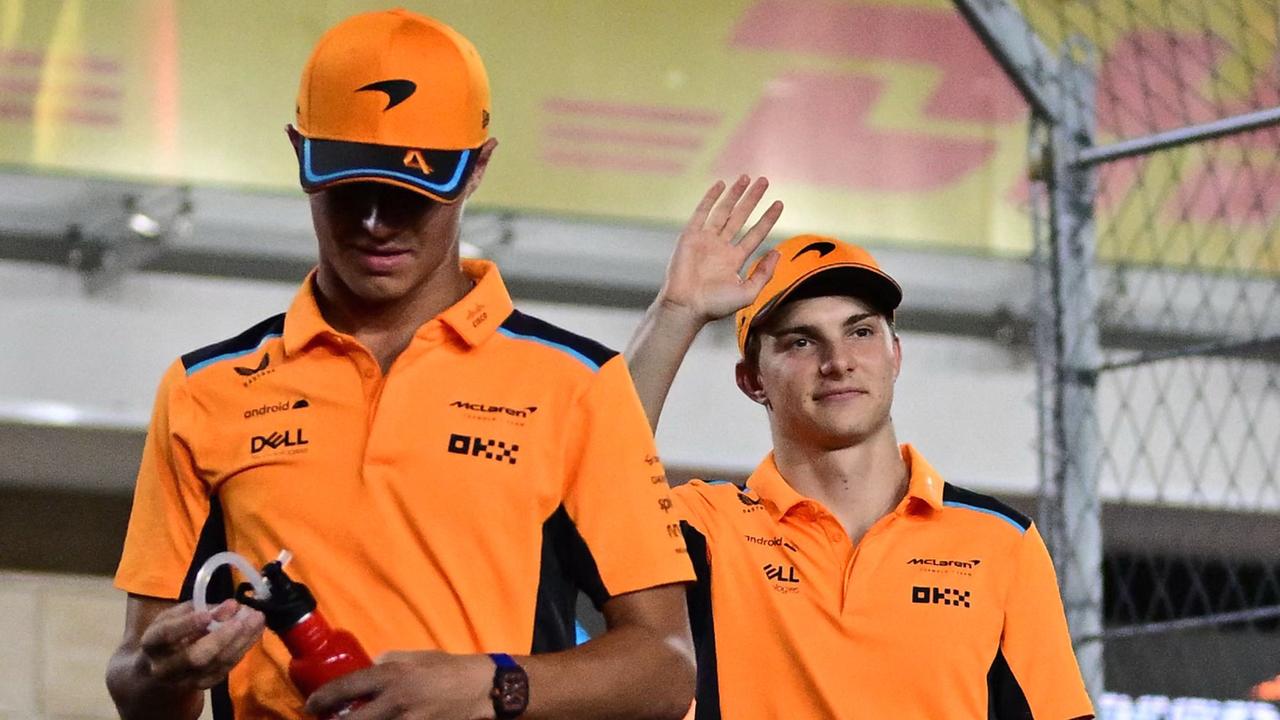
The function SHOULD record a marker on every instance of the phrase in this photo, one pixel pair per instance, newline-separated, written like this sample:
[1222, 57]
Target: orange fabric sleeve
[170, 502]
[691, 506]
[617, 493]
[1036, 643]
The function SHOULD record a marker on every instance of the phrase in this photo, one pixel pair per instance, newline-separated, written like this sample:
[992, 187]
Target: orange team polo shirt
[457, 502]
[947, 608]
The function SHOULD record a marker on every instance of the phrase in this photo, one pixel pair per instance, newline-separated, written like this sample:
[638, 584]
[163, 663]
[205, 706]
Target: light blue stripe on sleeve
[994, 513]
[563, 348]
[228, 356]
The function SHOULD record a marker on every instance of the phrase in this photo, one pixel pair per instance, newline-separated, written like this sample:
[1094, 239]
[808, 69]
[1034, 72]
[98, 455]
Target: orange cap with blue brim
[393, 97]
[813, 266]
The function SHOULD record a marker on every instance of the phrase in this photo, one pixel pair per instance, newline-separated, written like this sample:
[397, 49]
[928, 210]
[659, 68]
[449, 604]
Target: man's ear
[897, 356]
[749, 383]
[482, 162]
[295, 139]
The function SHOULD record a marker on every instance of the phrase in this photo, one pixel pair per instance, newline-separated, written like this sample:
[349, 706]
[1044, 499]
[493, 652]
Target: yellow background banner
[884, 121]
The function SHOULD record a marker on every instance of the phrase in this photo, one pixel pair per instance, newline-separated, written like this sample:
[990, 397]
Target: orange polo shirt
[947, 608]
[457, 502]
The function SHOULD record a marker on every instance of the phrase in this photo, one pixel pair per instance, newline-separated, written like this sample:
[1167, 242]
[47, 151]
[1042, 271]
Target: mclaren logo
[934, 562]
[397, 91]
[523, 412]
[821, 247]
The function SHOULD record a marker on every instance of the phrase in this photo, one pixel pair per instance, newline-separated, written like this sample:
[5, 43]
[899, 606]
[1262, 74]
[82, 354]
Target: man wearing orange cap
[447, 472]
[846, 579]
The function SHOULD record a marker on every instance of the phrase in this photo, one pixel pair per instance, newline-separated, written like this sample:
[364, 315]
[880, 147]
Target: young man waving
[847, 578]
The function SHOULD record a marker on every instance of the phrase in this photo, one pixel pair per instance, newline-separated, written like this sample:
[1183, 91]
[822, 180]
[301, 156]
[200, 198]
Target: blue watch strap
[503, 660]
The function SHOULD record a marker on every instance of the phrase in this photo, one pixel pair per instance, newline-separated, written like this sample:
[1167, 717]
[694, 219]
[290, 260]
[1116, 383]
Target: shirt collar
[474, 318]
[924, 485]
[768, 484]
[303, 322]
[482, 311]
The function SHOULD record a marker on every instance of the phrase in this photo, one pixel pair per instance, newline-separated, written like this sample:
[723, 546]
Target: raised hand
[704, 276]
[180, 651]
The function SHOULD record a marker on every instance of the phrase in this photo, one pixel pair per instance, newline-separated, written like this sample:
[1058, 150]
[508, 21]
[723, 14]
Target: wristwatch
[510, 687]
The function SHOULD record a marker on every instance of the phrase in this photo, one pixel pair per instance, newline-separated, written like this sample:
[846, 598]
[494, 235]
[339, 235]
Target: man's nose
[836, 360]
[376, 220]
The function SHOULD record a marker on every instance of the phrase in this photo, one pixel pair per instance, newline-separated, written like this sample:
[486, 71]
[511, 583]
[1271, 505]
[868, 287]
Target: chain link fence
[1157, 330]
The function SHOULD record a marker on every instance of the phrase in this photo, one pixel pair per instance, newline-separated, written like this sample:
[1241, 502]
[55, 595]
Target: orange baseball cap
[393, 97]
[823, 266]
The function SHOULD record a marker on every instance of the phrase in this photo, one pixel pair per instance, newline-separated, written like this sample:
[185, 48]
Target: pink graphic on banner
[613, 162]
[813, 128]
[36, 59]
[623, 137]
[627, 111]
[89, 94]
[973, 87]
[1230, 192]
[1265, 93]
[1157, 80]
[1154, 80]
[641, 138]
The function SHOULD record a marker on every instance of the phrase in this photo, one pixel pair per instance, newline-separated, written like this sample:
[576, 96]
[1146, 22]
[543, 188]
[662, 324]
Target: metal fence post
[1070, 509]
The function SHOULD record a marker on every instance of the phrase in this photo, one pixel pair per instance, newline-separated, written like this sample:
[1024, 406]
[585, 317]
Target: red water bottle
[320, 652]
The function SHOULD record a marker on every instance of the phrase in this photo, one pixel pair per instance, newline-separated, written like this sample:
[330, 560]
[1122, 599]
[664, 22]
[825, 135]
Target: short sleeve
[170, 503]
[691, 506]
[1035, 674]
[617, 496]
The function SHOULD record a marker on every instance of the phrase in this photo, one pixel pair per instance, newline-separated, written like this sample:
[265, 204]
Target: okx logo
[483, 447]
[929, 595]
[277, 440]
[781, 573]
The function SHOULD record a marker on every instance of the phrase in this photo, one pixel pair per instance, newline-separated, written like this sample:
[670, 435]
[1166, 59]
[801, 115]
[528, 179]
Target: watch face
[511, 687]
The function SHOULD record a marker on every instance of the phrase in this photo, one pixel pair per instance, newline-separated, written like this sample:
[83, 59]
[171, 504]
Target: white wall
[1201, 433]
[73, 358]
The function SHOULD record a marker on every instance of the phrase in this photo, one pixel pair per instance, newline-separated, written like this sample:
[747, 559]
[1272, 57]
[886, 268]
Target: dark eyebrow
[812, 330]
[855, 319]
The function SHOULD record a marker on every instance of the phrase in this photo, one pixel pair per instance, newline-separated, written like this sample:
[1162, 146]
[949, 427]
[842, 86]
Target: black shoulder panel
[244, 343]
[586, 350]
[958, 496]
